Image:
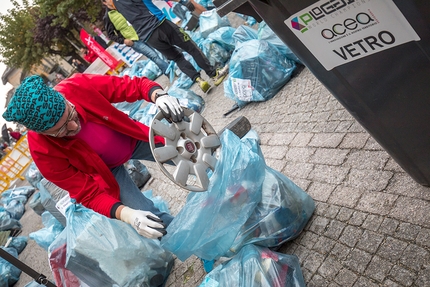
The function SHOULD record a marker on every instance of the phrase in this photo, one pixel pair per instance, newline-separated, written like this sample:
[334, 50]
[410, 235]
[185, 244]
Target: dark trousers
[169, 34]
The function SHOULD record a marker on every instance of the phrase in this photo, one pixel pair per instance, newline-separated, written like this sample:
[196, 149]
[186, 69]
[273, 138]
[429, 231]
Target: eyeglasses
[63, 128]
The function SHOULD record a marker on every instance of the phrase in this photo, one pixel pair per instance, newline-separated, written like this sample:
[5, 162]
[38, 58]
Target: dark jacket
[140, 16]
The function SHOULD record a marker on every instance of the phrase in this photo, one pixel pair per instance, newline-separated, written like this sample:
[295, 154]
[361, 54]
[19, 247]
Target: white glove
[170, 108]
[146, 223]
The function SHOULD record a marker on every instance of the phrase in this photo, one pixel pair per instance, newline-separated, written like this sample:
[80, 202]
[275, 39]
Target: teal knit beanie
[35, 105]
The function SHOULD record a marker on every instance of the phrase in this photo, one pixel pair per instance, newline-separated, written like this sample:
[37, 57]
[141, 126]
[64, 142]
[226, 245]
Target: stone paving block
[372, 222]
[331, 211]
[350, 235]
[346, 277]
[329, 174]
[372, 144]
[366, 179]
[321, 191]
[341, 251]
[329, 156]
[389, 226]
[407, 231]
[313, 261]
[300, 170]
[393, 166]
[354, 140]
[301, 139]
[334, 229]
[378, 268]
[391, 249]
[403, 184]
[319, 224]
[357, 218]
[414, 256]
[365, 282]
[390, 283]
[365, 159]
[343, 127]
[376, 202]
[370, 241]
[307, 239]
[299, 154]
[330, 268]
[345, 196]
[356, 128]
[344, 214]
[423, 277]
[357, 260]
[318, 281]
[423, 238]
[328, 140]
[402, 275]
[275, 152]
[326, 127]
[324, 245]
[412, 210]
[282, 139]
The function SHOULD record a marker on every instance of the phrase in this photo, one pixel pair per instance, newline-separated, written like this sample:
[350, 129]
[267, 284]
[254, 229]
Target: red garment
[71, 163]
[90, 56]
[15, 135]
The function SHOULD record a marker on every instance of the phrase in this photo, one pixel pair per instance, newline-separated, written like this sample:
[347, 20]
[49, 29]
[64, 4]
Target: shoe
[203, 85]
[220, 75]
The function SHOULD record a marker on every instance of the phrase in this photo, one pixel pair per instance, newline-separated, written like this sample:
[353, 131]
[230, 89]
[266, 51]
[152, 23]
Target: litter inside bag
[216, 54]
[257, 72]
[257, 266]
[93, 241]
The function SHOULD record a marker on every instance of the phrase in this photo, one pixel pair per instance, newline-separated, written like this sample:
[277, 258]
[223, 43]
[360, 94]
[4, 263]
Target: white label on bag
[341, 31]
[63, 203]
[242, 89]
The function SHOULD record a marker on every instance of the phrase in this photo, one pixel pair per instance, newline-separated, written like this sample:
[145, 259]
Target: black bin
[374, 57]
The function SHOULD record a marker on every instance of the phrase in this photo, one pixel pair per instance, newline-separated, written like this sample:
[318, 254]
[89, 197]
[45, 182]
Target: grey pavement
[371, 226]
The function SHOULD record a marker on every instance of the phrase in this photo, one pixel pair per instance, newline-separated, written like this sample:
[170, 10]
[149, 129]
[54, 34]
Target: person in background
[121, 32]
[14, 134]
[78, 65]
[80, 141]
[88, 55]
[155, 29]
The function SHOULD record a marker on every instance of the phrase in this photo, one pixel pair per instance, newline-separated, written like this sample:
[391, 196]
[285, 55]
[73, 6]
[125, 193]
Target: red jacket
[71, 163]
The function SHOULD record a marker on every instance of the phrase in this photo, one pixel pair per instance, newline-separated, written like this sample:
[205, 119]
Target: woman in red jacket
[74, 130]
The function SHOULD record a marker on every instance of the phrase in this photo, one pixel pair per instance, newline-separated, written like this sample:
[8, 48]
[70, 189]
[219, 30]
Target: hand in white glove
[170, 108]
[146, 223]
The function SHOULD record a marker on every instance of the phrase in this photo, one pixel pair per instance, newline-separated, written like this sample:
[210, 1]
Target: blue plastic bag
[33, 175]
[188, 99]
[210, 21]
[9, 274]
[253, 204]
[46, 235]
[255, 267]
[93, 240]
[224, 37]
[265, 33]
[158, 201]
[215, 53]
[209, 222]
[243, 34]
[257, 71]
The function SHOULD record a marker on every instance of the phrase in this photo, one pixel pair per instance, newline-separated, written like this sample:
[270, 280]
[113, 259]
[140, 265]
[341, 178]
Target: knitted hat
[35, 105]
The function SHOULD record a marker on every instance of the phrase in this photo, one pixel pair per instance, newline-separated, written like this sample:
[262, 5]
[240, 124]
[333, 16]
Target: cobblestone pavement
[371, 226]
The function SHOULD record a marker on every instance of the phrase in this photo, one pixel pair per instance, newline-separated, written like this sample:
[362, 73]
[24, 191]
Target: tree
[65, 10]
[17, 45]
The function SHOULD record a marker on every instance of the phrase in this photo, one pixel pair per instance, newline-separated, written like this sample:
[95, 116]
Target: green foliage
[30, 32]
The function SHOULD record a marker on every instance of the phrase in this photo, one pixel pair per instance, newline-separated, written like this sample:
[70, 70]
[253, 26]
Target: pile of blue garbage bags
[236, 224]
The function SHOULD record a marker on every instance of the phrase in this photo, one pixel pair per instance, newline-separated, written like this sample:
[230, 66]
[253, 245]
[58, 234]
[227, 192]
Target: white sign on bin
[341, 31]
